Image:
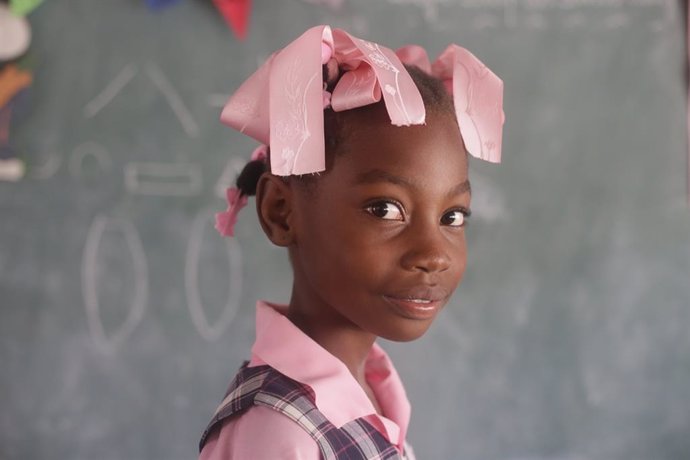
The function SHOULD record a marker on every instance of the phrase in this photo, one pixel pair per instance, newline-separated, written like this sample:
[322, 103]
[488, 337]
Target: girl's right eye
[385, 210]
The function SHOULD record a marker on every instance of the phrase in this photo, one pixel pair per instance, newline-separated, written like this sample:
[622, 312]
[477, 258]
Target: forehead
[423, 153]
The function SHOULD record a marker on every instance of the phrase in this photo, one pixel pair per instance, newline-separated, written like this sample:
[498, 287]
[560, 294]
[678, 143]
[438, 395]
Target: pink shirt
[263, 433]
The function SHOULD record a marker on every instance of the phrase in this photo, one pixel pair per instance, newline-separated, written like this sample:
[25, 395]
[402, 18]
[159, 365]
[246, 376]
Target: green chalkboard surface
[123, 314]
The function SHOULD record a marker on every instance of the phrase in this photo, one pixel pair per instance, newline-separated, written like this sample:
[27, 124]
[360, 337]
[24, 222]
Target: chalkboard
[124, 315]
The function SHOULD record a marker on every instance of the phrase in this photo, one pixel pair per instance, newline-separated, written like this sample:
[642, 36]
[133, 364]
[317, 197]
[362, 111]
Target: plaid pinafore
[264, 386]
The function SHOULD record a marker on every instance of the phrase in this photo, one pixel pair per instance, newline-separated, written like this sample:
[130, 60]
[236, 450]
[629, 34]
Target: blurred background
[123, 315]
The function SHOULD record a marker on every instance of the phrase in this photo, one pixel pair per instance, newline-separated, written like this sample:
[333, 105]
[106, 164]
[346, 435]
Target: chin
[408, 331]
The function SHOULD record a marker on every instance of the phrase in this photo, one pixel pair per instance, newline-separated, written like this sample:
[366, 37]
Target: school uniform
[294, 400]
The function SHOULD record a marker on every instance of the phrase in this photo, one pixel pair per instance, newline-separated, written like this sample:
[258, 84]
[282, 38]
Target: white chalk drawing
[162, 84]
[121, 80]
[332, 4]
[47, 167]
[109, 343]
[486, 14]
[227, 179]
[163, 179]
[174, 100]
[208, 331]
[89, 150]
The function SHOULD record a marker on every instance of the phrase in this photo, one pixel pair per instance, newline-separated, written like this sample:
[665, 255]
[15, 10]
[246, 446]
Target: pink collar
[283, 346]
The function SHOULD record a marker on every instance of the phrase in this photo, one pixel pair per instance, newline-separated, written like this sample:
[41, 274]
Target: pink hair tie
[260, 153]
[226, 220]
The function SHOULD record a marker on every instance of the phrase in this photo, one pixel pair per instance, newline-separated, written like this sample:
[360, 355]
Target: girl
[365, 183]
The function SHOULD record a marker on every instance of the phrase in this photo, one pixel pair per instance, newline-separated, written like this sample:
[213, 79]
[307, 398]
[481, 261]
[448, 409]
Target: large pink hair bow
[282, 103]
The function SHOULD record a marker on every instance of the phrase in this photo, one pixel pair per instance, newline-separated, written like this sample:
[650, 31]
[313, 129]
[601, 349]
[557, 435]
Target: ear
[274, 205]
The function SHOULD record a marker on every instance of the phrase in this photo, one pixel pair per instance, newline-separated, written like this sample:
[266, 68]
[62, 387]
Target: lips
[420, 303]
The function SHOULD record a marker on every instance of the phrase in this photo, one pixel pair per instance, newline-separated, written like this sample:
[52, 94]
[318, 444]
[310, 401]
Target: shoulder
[260, 433]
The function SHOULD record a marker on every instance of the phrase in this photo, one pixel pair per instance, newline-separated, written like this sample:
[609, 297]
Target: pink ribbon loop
[282, 103]
[477, 96]
[355, 88]
[376, 71]
[415, 55]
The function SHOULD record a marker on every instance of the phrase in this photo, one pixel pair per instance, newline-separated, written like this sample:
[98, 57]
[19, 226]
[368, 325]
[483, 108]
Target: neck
[332, 331]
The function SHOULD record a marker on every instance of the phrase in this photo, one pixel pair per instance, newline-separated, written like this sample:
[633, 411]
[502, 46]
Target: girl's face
[379, 241]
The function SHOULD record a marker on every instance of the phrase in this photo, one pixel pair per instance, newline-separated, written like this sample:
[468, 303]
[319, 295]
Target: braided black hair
[436, 100]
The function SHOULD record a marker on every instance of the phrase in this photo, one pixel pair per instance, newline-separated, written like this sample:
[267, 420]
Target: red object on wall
[236, 13]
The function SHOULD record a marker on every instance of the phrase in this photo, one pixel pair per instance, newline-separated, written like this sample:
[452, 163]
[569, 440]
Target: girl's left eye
[385, 210]
[455, 218]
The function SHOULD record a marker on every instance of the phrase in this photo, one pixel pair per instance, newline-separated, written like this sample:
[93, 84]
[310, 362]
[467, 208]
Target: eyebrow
[379, 175]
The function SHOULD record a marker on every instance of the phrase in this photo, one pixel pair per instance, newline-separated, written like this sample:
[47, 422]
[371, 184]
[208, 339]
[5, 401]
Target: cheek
[457, 254]
[323, 246]
[460, 259]
[348, 258]
[344, 266]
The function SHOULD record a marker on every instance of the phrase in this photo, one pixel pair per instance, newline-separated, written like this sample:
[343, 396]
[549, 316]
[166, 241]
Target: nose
[429, 250]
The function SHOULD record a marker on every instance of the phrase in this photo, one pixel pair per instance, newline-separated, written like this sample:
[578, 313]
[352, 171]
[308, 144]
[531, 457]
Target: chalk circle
[208, 331]
[84, 154]
[46, 167]
[109, 343]
[15, 34]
